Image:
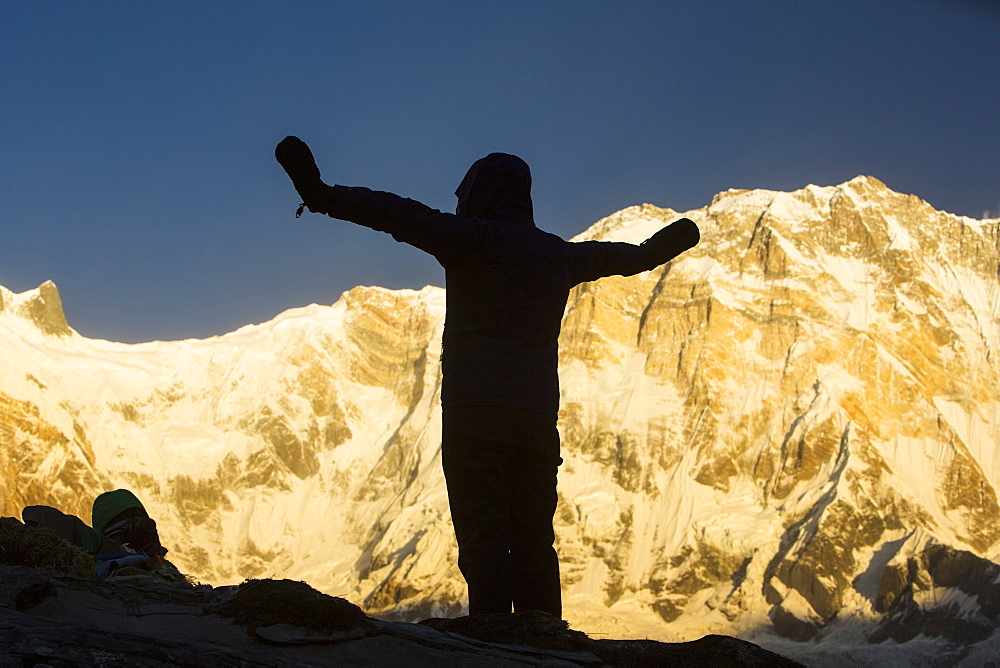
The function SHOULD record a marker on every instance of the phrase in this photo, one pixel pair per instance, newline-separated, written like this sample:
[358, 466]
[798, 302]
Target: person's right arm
[440, 234]
[407, 220]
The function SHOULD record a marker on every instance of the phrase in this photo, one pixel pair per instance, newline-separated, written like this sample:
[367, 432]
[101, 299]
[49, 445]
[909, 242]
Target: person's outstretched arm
[591, 260]
[407, 220]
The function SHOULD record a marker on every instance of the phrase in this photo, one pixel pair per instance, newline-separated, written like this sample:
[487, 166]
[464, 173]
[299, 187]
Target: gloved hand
[297, 160]
[671, 241]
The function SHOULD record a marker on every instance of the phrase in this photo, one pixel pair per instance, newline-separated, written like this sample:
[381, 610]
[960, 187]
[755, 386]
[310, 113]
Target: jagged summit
[811, 201]
[42, 306]
[788, 433]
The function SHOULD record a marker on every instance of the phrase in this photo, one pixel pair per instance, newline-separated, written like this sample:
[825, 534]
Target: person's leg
[533, 558]
[476, 468]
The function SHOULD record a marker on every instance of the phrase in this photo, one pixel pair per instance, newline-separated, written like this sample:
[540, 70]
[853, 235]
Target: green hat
[110, 504]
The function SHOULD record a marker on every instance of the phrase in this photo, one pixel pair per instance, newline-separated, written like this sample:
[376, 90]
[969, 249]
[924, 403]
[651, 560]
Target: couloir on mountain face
[791, 429]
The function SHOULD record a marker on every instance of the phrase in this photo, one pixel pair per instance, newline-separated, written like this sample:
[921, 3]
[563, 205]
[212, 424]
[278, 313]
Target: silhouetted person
[507, 284]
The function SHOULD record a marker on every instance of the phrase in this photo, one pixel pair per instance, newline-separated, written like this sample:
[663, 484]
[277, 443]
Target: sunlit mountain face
[790, 434]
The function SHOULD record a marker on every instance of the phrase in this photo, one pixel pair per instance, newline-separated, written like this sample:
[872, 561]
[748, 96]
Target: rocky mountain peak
[42, 306]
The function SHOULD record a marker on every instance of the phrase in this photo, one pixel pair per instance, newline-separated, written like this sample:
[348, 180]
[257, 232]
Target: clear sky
[137, 138]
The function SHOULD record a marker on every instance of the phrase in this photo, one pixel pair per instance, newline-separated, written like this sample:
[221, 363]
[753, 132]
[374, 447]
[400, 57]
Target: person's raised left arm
[591, 260]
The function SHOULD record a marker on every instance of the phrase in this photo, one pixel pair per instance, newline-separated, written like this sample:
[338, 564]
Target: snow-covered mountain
[790, 434]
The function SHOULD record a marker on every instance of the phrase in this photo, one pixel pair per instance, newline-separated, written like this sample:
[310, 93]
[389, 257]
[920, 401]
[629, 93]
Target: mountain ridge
[772, 436]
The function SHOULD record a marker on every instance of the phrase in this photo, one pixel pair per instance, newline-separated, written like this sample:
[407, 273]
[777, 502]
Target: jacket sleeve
[408, 221]
[591, 260]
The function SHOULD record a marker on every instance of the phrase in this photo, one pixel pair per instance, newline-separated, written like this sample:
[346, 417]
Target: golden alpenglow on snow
[792, 439]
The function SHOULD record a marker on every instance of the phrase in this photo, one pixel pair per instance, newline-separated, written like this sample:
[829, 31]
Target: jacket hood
[109, 505]
[497, 187]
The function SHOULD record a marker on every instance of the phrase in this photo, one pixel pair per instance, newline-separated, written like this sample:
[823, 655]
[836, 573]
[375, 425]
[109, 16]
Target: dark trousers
[500, 465]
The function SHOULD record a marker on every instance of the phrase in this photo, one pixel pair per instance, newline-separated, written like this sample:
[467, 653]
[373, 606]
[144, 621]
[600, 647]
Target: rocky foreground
[144, 620]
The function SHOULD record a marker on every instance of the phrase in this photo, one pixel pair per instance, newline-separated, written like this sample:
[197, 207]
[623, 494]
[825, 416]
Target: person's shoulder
[529, 232]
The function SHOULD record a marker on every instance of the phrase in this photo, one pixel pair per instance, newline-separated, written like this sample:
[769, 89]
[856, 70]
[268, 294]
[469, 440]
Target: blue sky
[136, 138]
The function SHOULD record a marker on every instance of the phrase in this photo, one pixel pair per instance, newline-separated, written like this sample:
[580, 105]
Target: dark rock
[788, 625]
[890, 587]
[264, 603]
[541, 630]
[152, 622]
[941, 568]
[711, 650]
[22, 588]
[532, 627]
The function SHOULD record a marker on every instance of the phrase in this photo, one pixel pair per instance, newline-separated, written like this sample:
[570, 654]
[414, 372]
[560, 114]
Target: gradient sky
[137, 138]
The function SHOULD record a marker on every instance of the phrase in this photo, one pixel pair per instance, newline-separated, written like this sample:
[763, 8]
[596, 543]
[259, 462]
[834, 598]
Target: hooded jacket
[109, 505]
[507, 281]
